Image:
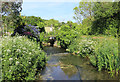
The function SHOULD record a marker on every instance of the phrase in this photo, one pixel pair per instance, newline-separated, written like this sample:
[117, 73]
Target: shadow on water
[53, 50]
[64, 66]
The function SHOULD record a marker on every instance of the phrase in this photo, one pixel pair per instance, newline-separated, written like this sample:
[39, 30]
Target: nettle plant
[21, 58]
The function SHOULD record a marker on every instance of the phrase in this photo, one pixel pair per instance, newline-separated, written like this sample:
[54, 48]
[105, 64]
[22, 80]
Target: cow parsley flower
[24, 48]
[8, 51]
[9, 70]
[29, 62]
[10, 59]
[33, 50]
[18, 50]
[30, 53]
[14, 46]
[17, 62]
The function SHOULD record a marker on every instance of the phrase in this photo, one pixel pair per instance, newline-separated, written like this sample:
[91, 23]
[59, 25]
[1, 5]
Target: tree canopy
[98, 17]
[11, 12]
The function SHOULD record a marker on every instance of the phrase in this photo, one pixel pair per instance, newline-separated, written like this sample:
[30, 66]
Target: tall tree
[11, 13]
[83, 11]
[106, 18]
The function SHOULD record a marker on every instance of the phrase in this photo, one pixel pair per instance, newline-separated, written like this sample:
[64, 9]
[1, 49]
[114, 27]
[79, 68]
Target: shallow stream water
[64, 66]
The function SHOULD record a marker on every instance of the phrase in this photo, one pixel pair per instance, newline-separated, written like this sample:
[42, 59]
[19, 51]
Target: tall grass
[102, 52]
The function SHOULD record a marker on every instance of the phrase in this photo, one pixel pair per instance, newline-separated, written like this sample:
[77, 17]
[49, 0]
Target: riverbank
[102, 52]
[62, 66]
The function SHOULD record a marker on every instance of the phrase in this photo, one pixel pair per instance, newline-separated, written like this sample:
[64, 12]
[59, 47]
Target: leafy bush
[83, 47]
[66, 35]
[41, 27]
[21, 58]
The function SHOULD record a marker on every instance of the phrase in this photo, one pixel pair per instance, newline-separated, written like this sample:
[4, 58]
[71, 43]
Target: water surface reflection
[64, 66]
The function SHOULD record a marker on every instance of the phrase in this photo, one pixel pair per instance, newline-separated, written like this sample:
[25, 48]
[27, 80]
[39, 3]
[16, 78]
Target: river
[64, 66]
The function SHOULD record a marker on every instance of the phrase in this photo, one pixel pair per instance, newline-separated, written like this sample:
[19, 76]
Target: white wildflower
[17, 62]
[24, 51]
[90, 42]
[14, 46]
[29, 62]
[30, 53]
[8, 51]
[24, 48]
[12, 10]
[18, 50]
[33, 50]
[86, 45]
[9, 70]
[10, 59]
[92, 47]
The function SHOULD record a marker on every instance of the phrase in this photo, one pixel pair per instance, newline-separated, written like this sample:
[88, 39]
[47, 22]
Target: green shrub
[21, 58]
[83, 47]
[66, 36]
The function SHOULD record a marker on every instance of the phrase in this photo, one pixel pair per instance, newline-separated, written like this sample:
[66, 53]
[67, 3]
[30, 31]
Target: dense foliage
[31, 20]
[66, 35]
[102, 52]
[53, 22]
[10, 15]
[98, 17]
[21, 58]
[106, 16]
[24, 57]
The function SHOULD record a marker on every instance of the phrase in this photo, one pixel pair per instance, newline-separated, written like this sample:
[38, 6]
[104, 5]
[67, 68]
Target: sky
[55, 9]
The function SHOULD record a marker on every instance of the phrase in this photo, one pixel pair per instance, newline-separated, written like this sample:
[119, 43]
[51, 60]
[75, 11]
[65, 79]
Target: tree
[32, 20]
[83, 11]
[41, 27]
[10, 14]
[51, 22]
[98, 17]
[106, 18]
[11, 11]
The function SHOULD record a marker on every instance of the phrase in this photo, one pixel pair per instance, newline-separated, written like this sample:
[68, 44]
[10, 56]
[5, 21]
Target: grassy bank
[101, 51]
